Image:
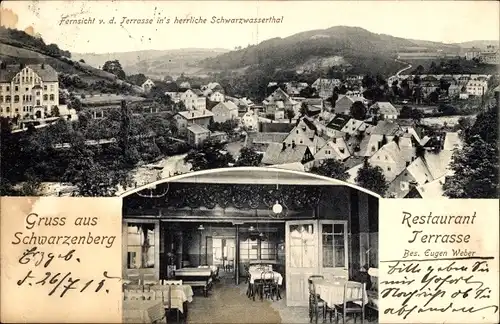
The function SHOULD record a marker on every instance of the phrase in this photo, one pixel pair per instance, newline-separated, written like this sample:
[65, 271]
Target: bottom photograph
[250, 245]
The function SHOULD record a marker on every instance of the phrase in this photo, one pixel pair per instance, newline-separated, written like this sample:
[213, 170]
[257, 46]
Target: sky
[442, 21]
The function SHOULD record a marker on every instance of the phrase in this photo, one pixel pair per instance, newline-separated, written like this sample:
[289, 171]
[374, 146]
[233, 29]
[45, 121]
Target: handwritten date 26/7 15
[64, 282]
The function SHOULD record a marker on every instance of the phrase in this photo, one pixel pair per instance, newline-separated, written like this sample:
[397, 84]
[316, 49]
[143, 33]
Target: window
[45, 88]
[45, 97]
[27, 89]
[38, 93]
[38, 102]
[16, 88]
[258, 247]
[16, 98]
[7, 98]
[333, 245]
[140, 246]
[8, 88]
[1, 99]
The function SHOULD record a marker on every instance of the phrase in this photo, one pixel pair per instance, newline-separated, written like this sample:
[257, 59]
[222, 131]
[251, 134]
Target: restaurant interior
[261, 234]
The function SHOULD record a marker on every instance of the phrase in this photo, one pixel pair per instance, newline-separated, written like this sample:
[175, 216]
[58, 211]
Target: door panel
[301, 259]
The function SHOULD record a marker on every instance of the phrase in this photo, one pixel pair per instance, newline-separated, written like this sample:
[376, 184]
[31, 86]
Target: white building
[217, 97]
[30, 91]
[477, 87]
[250, 120]
[147, 85]
[193, 99]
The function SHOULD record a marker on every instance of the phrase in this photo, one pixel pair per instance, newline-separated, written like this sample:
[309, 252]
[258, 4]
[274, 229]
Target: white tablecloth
[332, 292]
[136, 311]
[160, 293]
[257, 274]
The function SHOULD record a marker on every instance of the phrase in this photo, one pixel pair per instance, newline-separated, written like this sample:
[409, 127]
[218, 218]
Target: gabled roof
[197, 129]
[420, 171]
[265, 138]
[47, 73]
[452, 141]
[198, 92]
[386, 127]
[338, 146]
[195, 114]
[385, 108]
[275, 154]
[229, 105]
[394, 158]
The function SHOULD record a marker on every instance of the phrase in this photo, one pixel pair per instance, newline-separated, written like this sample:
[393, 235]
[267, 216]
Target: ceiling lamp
[201, 228]
[277, 208]
[251, 229]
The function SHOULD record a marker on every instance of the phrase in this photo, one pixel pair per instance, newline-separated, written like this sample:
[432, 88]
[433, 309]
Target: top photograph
[103, 98]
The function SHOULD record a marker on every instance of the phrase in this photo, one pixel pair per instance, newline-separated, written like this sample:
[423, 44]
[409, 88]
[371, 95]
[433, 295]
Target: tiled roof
[275, 154]
[197, 129]
[385, 108]
[397, 162]
[385, 127]
[452, 141]
[420, 171]
[265, 138]
[229, 105]
[47, 73]
[194, 114]
[338, 122]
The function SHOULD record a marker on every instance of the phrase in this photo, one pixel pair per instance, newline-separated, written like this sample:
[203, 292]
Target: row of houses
[389, 145]
[489, 55]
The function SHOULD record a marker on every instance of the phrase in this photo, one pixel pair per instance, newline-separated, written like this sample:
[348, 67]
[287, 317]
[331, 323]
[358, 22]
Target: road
[404, 69]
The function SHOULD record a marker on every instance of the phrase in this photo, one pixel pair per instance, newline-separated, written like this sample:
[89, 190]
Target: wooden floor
[228, 303]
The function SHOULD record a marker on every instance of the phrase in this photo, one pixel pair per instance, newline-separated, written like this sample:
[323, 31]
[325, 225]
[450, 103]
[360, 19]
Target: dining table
[257, 273]
[332, 291]
[136, 311]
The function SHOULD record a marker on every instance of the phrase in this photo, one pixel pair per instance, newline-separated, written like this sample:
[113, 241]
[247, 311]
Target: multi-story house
[280, 100]
[250, 120]
[224, 111]
[193, 99]
[28, 91]
[472, 53]
[216, 96]
[147, 85]
[344, 103]
[384, 110]
[197, 134]
[186, 118]
[325, 86]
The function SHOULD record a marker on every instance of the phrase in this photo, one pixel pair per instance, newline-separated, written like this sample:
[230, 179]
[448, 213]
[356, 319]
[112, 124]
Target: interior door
[333, 254]
[301, 238]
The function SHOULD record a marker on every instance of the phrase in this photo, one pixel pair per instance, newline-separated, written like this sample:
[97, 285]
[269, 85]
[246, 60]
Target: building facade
[30, 91]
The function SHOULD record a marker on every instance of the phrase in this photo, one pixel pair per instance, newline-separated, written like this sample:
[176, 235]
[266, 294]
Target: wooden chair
[372, 291]
[268, 288]
[354, 301]
[157, 314]
[167, 295]
[315, 302]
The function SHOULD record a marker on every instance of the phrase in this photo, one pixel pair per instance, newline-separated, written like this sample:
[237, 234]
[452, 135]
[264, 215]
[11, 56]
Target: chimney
[192, 114]
[293, 144]
[284, 146]
[43, 66]
[334, 140]
[413, 184]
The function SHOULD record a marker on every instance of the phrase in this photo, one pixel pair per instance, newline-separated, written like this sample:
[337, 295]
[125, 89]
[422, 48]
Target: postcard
[232, 161]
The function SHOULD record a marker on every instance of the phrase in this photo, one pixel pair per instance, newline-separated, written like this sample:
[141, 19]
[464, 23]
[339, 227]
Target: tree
[358, 110]
[81, 61]
[115, 68]
[372, 178]
[332, 168]
[290, 114]
[248, 157]
[55, 111]
[475, 169]
[137, 79]
[210, 156]
[333, 99]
